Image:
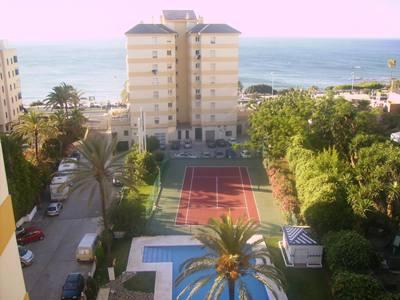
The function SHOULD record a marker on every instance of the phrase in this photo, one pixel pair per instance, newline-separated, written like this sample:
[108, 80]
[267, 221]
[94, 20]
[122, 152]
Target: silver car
[26, 256]
[54, 209]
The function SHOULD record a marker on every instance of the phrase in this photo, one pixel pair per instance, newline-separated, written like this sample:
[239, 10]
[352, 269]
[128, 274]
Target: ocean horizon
[97, 68]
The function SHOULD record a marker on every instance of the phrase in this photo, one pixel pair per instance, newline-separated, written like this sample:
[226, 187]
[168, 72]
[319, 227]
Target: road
[55, 255]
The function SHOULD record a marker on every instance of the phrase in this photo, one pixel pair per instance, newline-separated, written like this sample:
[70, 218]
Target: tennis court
[209, 192]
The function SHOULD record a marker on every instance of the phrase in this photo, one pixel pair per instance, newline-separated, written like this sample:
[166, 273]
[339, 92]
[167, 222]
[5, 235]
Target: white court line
[217, 176]
[254, 196]
[216, 188]
[245, 198]
[190, 194]
[180, 196]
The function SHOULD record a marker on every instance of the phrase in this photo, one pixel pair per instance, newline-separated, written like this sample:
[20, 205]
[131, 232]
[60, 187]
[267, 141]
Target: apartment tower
[183, 76]
[10, 90]
[12, 285]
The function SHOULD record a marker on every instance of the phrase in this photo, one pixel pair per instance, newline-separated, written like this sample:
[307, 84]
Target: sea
[98, 69]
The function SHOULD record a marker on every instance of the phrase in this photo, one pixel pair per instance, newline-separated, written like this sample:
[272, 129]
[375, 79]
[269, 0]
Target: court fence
[154, 196]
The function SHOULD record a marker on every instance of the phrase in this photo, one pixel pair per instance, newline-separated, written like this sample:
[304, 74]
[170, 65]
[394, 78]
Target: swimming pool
[178, 254]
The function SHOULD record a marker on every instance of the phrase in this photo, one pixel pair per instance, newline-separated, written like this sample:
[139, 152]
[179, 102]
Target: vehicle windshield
[22, 251]
[69, 285]
[51, 208]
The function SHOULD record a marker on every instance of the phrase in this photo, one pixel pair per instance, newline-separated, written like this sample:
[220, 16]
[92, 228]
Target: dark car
[219, 154]
[175, 145]
[221, 143]
[229, 153]
[73, 286]
[31, 234]
[211, 144]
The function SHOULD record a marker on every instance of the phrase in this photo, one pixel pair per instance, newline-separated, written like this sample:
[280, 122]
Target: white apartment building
[183, 75]
[10, 90]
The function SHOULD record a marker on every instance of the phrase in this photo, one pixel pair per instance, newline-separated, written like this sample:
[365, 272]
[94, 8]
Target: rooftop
[179, 14]
[150, 28]
[213, 28]
[298, 235]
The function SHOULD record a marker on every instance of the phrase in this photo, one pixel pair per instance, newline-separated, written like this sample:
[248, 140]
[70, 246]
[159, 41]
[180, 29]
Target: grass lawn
[303, 284]
[142, 282]
[120, 251]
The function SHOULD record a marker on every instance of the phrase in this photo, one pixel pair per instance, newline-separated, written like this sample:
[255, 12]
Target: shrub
[348, 250]
[351, 286]
[158, 156]
[152, 143]
[128, 215]
[92, 288]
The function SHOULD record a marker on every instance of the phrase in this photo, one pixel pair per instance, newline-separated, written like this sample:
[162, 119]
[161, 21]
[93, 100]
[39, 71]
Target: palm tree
[36, 129]
[75, 97]
[60, 97]
[229, 260]
[391, 63]
[96, 171]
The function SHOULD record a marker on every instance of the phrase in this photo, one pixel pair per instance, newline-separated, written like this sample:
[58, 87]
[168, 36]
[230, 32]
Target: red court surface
[209, 192]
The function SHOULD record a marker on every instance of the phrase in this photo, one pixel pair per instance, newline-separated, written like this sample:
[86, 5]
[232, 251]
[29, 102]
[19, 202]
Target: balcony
[154, 71]
[198, 97]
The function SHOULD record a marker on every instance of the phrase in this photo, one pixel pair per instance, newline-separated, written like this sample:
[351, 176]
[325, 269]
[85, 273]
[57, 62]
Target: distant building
[12, 285]
[10, 90]
[183, 74]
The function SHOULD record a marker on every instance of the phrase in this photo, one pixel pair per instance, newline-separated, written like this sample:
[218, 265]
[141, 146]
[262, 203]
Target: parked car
[221, 143]
[26, 256]
[206, 154]
[232, 141]
[219, 154]
[229, 153]
[116, 180]
[191, 155]
[187, 144]
[32, 234]
[175, 145]
[20, 230]
[73, 286]
[211, 144]
[75, 154]
[54, 208]
[181, 155]
[245, 153]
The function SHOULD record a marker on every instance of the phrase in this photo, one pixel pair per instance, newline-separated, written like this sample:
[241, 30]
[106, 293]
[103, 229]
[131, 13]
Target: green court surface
[163, 220]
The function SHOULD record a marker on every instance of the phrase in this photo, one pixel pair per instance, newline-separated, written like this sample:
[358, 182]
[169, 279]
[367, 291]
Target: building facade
[10, 90]
[183, 76]
[12, 285]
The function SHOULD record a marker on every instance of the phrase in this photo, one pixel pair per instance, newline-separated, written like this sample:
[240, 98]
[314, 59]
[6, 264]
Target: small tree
[351, 286]
[152, 143]
[347, 250]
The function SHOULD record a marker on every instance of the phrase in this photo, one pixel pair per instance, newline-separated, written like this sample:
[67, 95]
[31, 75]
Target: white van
[66, 167]
[57, 194]
[86, 247]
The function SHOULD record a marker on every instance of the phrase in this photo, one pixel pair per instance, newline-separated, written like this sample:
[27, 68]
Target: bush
[129, 215]
[92, 288]
[259, 89]
[152, 143]
[158, 156]
[351, 286]
[347, 250]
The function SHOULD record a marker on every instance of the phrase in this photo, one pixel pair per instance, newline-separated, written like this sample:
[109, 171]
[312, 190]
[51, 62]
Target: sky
[58, 20]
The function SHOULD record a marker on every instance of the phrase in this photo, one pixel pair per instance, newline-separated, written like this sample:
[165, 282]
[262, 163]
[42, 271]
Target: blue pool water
[178, 254]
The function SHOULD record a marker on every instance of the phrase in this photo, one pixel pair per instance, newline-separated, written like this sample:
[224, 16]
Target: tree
[96, 174]
[36, 129]
[391, 63]
[152, 143]
[230, 258]
[62, 97]
[124, 92]
[348, 251]
[240, 87]
[259, 89]
[351, 286]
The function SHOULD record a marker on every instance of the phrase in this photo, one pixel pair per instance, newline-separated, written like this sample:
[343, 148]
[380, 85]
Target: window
[10, 87]
[15, 59]
[169, 92]
[212, 53]
[197, 91]
[169, 52]
[197, 65]
[155, 40]
[212, 79]
[13, 73]
[155, 54]
[228, 133]
[197, 78]
[213, 67]
[169, 79]
[212, 118]
[169, 104]
[156, 107]
[197, 52]
[6, 115]
[169, 41]
[126, 132]
[170, 118]
[197, 39]
[176, 60]
[155, 94]
[213, 39]
[9, 76]
[16, 72]
[197, 117]
[212, 105]
[198, 103]
[155, 81]
[14, 86]
[155, 67]
[169, 66]
[13, 112]
[156, 120]
[212, 92]
[7, 62]
[1, 76]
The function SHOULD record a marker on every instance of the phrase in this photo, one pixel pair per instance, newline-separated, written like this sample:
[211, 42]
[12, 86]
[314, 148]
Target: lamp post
[272, 83]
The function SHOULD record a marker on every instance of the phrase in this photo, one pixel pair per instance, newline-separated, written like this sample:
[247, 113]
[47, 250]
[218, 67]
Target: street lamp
[272, 83]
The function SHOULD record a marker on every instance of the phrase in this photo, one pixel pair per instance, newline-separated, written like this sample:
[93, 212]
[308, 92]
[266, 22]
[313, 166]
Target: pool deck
[164, 272]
